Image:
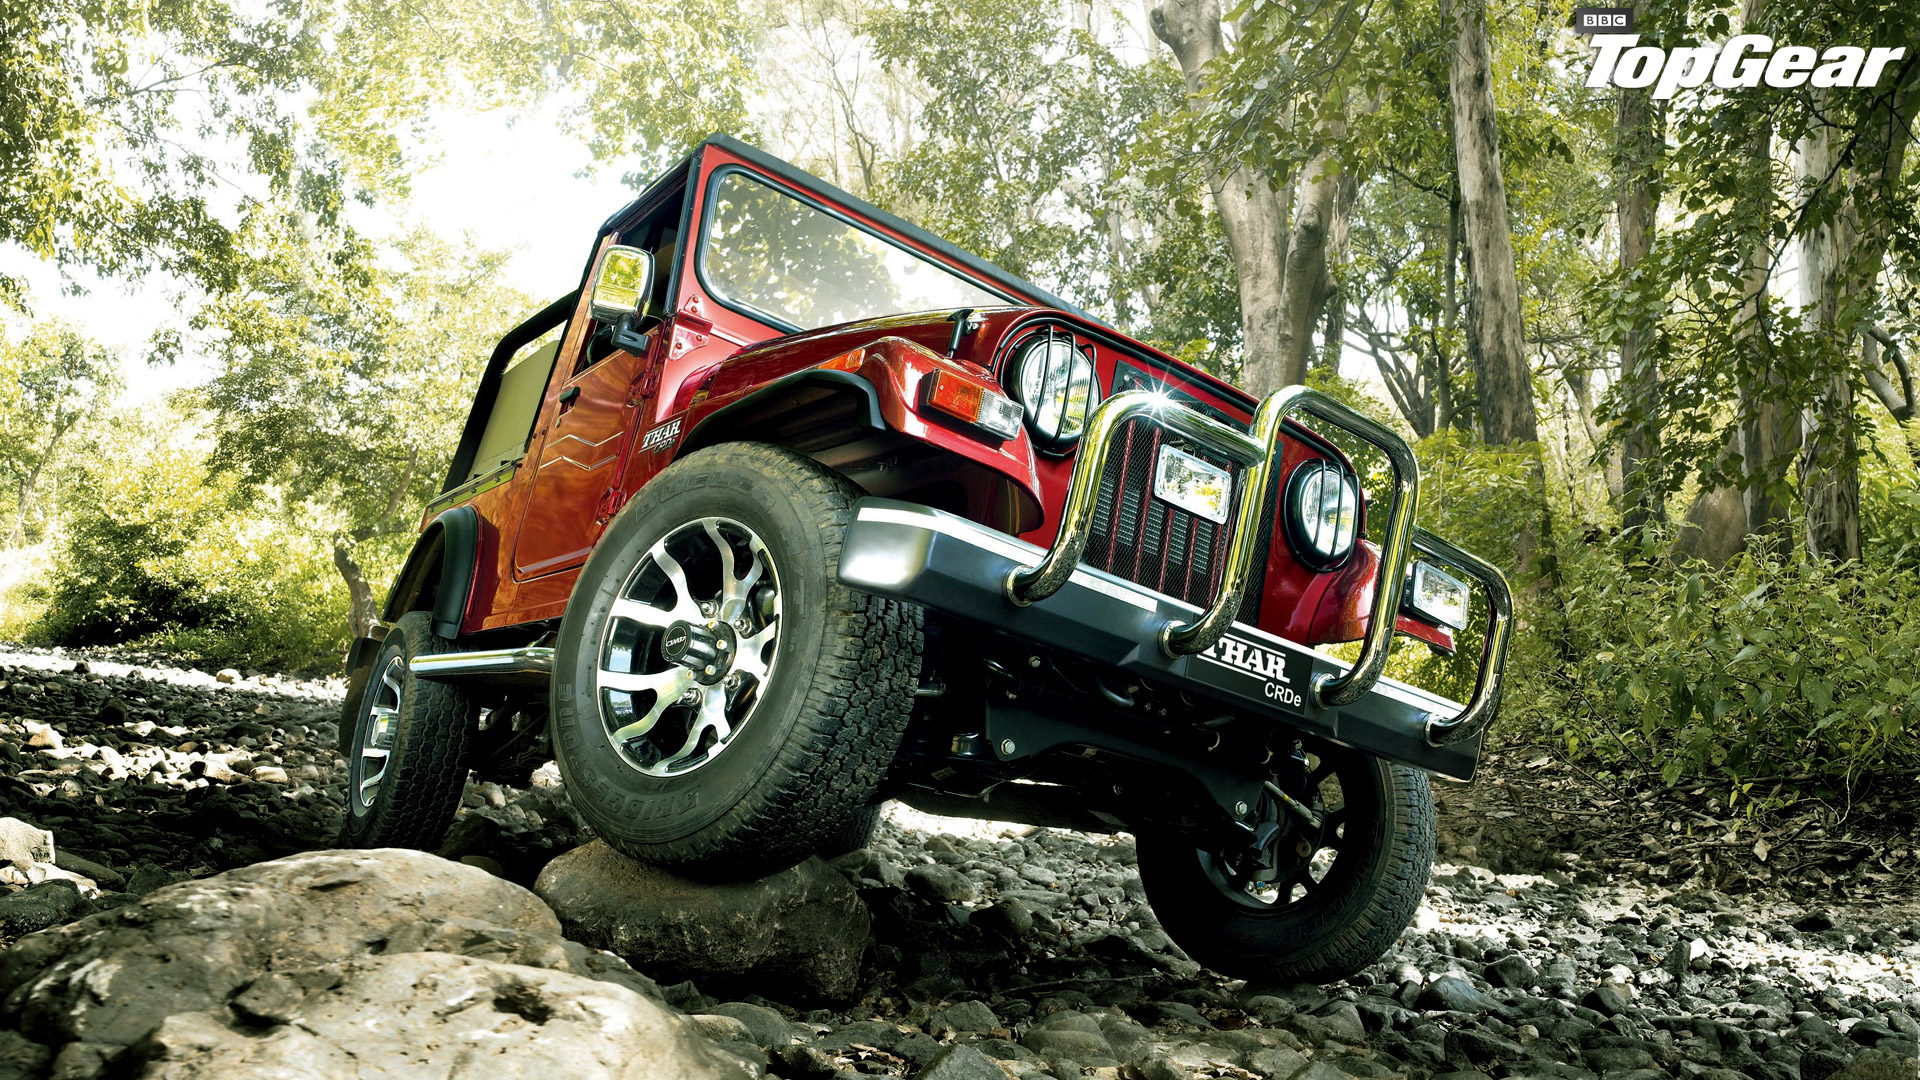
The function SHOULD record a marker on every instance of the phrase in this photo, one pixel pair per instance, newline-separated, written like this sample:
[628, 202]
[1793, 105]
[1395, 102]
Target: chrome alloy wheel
[689, 644]
[376, 734]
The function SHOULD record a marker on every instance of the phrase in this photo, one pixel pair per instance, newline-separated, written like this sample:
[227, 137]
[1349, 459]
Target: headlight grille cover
[1053, 377]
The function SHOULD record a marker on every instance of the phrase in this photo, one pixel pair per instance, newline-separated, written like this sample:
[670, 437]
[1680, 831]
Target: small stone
[941, 883]
[271, 774]
[24, 842]
[227, 676]
[1608, 999]
[1511, 970]
[43, 737]
[962, 1018]
[1276, 1061]
[1814, 922]
[38, 906]
[963, 1063]
[1010, 918]
[1454, 994]
[764, 1026]
[1878, 1065]
[1478, 1047]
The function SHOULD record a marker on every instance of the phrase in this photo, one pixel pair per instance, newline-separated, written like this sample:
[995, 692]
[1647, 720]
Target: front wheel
[1331, 900]
[722, 705]
[407, 760]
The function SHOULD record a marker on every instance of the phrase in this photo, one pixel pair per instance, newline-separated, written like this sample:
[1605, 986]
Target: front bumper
[949, 564]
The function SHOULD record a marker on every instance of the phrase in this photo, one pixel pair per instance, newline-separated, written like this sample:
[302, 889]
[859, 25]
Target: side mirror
[624, 282]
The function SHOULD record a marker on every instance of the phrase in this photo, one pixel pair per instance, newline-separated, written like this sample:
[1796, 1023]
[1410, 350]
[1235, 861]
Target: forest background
[1655, 354]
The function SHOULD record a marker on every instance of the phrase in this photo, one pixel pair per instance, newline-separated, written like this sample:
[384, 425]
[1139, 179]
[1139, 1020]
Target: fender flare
[452, 542]
[765, 400]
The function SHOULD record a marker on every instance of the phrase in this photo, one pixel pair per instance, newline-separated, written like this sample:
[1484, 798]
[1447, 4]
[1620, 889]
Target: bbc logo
[1606, 20]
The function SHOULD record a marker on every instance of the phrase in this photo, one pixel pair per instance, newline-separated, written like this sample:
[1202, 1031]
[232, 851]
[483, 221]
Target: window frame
[709, 202]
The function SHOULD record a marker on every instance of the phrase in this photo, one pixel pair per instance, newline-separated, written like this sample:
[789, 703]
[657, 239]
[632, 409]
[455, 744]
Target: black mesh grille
[1143, 539]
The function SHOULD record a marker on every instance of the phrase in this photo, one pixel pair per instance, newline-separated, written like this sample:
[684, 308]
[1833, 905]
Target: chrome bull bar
[1259, 452]
[1479, 710]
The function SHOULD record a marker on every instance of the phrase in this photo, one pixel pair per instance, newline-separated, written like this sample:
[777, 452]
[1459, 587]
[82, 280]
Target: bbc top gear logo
[1744, 62]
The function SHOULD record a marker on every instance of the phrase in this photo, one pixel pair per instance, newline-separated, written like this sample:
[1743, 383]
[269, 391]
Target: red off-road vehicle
[793, 508]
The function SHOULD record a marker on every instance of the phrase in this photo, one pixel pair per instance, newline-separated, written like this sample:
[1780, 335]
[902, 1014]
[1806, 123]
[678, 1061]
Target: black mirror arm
[628, 337]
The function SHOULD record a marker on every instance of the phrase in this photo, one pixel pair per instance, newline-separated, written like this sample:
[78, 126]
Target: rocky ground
[946, 950]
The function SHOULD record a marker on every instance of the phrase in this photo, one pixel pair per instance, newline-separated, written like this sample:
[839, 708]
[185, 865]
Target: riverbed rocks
[432, 1015]
[989, 952]
[295, 960]
[802, 929]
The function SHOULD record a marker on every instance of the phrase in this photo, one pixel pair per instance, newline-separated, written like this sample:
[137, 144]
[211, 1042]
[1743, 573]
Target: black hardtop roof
[800, 178]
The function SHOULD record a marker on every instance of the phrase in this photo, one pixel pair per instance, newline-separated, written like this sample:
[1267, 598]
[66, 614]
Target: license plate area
[1200, 488]
[1243, 666]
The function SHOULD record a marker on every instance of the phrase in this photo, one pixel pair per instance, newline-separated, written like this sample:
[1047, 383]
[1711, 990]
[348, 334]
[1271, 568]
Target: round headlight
[1323, 513]
[1055, 383]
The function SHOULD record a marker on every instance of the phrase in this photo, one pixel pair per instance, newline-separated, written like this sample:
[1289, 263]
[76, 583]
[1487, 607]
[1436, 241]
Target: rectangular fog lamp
[1437, 596]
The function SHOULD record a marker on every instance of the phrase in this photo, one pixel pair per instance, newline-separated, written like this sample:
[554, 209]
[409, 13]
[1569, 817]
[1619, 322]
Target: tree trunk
[1829, 453]
[1637, 153]
[1253, 211]
[360, 610]
[1769, 433]
[1495, 337]
[23, 505]
[1494, 333]
[1449, 414]
[1302, 291]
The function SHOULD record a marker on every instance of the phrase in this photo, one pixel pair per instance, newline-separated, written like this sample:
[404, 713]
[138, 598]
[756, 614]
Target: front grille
[1151, 542]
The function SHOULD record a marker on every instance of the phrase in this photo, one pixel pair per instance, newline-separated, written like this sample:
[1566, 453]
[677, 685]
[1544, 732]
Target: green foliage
[1771, 669]
[1032, 160]
[52, 380]
[154, 552]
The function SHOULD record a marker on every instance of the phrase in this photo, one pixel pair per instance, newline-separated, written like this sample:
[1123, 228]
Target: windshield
[768, 251]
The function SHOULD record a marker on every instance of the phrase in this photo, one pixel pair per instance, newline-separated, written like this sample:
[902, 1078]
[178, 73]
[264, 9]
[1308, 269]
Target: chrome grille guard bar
[1259, 451]
[1479, 710]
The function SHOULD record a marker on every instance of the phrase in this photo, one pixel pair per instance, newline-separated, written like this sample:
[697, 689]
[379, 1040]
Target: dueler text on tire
[721, 703]
[1346, 890]
[407, 760]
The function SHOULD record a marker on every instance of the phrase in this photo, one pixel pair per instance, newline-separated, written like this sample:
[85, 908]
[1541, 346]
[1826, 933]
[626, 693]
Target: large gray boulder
[803, 929]
[430, 1016]
[225, 945]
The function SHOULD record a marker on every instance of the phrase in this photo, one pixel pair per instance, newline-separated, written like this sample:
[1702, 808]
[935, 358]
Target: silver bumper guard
[1178, 631]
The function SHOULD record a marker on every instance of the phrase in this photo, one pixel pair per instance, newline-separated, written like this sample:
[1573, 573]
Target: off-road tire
[833, 710]
[1316, 939]
[854, 835]
[427, 763]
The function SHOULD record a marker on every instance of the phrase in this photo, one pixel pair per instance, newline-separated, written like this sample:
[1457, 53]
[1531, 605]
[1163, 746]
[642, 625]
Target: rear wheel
[1332, 896]
[407, 759]
[721, 703]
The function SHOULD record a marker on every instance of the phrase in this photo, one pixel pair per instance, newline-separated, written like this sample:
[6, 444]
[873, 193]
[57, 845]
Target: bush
[1771, 668]
[155, 553]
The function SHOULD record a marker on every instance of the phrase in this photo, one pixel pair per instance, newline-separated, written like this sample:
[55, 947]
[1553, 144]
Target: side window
[658, 233]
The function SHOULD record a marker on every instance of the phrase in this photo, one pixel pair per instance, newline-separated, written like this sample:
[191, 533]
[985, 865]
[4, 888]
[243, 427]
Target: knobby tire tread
[856, 707]
[418, 799]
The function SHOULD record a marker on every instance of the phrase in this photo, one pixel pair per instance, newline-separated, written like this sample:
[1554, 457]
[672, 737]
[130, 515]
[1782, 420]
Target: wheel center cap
[707, 651]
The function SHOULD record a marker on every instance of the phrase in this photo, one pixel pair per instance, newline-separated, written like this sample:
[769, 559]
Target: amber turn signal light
[972, 404]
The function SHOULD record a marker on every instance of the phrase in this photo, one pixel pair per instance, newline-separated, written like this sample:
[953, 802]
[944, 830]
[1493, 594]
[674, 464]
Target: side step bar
[529, 666]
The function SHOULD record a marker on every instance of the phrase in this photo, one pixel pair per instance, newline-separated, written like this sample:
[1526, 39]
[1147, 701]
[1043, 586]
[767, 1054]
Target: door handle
[568, 396]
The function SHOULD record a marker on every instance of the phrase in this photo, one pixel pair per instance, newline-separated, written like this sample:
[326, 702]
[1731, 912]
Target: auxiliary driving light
[1436, 596]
